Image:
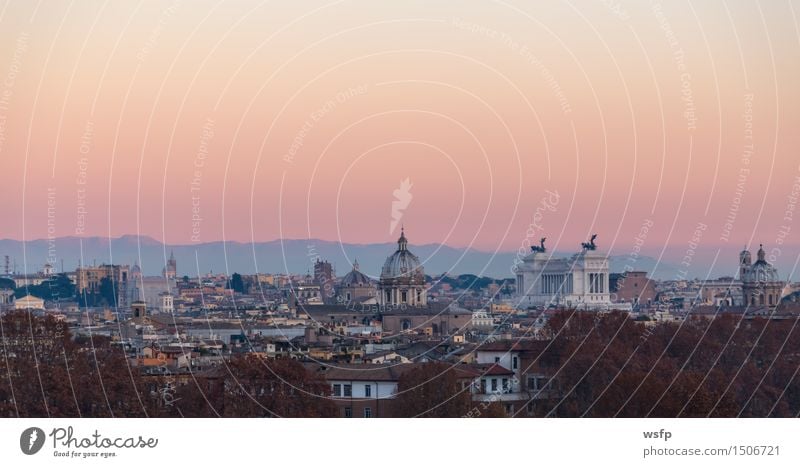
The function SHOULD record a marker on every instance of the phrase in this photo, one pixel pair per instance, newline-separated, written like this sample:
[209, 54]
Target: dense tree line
[105, 296]
[468, 281]
[253, 386]
[45, 372]
[435, 390]
[600, 365]
[608, 365]
[56, 288]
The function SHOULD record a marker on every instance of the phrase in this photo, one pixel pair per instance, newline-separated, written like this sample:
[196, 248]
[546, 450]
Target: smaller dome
[355, 278]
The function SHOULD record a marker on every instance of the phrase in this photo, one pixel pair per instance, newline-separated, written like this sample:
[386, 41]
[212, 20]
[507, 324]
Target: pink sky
[484, 108]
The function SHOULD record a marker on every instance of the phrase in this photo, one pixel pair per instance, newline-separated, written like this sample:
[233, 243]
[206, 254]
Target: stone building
[634, 287]
[580, 281]
[356, 287]
[88, 280]
[402, 281]
[761, 285]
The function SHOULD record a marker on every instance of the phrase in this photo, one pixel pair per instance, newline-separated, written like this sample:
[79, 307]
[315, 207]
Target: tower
[744, 261]
[137, 292]
[323, 276]
[171, 271]
[138, 309]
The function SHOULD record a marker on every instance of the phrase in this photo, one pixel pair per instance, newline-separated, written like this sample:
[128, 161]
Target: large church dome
[402, 278]
[761, 270]
[402, 263]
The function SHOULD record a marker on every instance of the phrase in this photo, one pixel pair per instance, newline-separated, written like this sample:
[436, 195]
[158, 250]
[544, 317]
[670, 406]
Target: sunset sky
[294, 119]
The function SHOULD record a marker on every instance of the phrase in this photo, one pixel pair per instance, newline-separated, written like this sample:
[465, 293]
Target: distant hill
[294, 256]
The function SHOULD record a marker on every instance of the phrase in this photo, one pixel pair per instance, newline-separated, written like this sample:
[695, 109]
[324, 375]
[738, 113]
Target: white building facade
[580, 281]
[167, 304]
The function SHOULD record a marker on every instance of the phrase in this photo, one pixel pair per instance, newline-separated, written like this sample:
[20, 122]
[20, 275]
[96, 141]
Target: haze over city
[174, 122]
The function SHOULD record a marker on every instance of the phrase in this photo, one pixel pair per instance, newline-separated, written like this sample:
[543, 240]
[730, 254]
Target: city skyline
[294, 256]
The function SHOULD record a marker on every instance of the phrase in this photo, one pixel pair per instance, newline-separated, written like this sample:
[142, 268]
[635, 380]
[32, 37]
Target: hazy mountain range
[294, 256]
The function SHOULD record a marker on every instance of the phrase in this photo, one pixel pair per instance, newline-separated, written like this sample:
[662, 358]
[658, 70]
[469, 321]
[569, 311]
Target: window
[509, 409]
[367, 390]
[514, 363]
[483, 386]
[367, 412]
[542, 382]
[348, 412]
[530, 407]
[505, 384]
[348, 390]
[404, 296]
[532, 383]
[337, 390]
[494, 384]
[497, 359]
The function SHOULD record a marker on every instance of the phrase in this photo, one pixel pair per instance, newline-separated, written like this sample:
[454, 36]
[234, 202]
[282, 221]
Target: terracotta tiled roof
[494, 370]
[514, 345]
[366, 372]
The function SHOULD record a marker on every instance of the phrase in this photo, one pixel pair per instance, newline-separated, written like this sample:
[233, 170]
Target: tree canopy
[431, 390]
[58, 287]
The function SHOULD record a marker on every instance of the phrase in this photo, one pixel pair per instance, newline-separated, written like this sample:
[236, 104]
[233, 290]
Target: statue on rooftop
[590, 245]
[540, 248]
